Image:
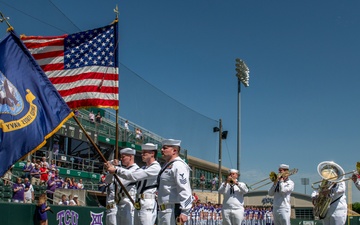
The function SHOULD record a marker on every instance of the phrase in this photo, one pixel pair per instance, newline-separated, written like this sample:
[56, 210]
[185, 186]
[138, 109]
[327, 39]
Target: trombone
[273, 177]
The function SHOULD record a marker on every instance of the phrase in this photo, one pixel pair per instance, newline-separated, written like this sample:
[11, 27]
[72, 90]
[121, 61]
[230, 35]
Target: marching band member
[281, 190]
[147, 178]
[233, 203]
[356, 180]
[336, 214]
[174, 192]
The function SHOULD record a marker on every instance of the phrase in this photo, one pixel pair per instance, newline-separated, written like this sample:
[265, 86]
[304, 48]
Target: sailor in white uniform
[174, 191]
[125, 209]
[281, 190]
[111, 187]
[356, 181]
[336, 214]
[233, 203]
[146, 179]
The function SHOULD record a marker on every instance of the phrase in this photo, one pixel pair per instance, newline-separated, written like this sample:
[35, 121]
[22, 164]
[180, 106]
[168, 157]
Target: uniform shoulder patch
[182, 179]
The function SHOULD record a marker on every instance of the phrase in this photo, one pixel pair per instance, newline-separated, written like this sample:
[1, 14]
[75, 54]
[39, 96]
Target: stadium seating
[7, 193]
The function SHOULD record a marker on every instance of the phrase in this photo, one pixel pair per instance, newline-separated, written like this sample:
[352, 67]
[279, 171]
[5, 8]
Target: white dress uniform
[281, 205]
[111, 208]
[337, 212]
[174, 191]
[125, 212]
[146, 191]
[233, 203]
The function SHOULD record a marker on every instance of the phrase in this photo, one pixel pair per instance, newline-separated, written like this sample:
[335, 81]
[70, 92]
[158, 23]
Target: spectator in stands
[202, 182]
[59, 181]
[51, 172]
[80, 185]
[102, 184]
[71, 200]
[53, 165]
[29, 191]
[195, 197]
[76, 200]
[98, 117]
[214, 181]
[51, 187]
[44, 174]
[8, 176]
[35, 175]
[43, 161]
[33, 162]
[18, 191]
[63, 200]
[92, 117]
[59, 164]
[27, 169]
[56, 148]
[126, 125]
[73, 183]
[67, 183]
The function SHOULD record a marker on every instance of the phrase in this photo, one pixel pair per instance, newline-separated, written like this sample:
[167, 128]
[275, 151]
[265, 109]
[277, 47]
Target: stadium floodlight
[242, 72]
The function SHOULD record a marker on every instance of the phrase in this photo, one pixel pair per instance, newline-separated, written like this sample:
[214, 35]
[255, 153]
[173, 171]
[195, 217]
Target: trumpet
[273, 176]
[230, 180]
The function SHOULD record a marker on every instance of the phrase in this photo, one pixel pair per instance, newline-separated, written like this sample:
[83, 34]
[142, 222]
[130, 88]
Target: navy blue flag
[31, 109]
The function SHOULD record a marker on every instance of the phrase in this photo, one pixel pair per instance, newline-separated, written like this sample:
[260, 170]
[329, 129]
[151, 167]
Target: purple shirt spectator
[18, 192]
[35, 172]
[27, 169]
[59, 182]
[51, 185]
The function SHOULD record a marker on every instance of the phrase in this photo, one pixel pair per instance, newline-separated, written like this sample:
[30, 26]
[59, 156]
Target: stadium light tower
[242, 73]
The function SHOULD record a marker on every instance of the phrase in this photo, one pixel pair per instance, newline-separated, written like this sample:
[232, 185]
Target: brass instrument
[231, 181]
[326, 175]
[273, 176]
[331, 173]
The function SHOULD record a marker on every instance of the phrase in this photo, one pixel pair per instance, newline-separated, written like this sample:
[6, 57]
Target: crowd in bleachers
[35, 178]
[207, 213]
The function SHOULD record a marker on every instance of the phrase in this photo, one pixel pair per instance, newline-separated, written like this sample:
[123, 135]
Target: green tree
[356, 207]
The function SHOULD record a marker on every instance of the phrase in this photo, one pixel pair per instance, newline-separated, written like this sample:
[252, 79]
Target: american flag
[82, 66]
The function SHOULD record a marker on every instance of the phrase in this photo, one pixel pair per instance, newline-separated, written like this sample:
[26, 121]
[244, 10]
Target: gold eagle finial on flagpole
[116, 11]
[3, 18]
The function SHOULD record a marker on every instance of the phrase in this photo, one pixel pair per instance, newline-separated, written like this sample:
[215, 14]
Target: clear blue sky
[302, 105]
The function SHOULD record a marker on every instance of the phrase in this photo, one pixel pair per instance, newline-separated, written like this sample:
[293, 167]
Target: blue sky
[302, 104]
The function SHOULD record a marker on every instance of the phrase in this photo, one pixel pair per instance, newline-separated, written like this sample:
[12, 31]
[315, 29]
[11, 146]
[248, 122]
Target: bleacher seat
[7, 189]
[7, 196]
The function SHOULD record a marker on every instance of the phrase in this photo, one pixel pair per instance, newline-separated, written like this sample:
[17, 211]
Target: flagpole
[104, 159]
[116, 11]
[3, 18]
[117, 135]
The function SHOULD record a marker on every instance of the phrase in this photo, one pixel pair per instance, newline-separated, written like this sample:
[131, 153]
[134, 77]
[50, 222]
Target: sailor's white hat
[171, 142]
[128, 151]
[284, 166]
[234, 171]
[149, 146]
